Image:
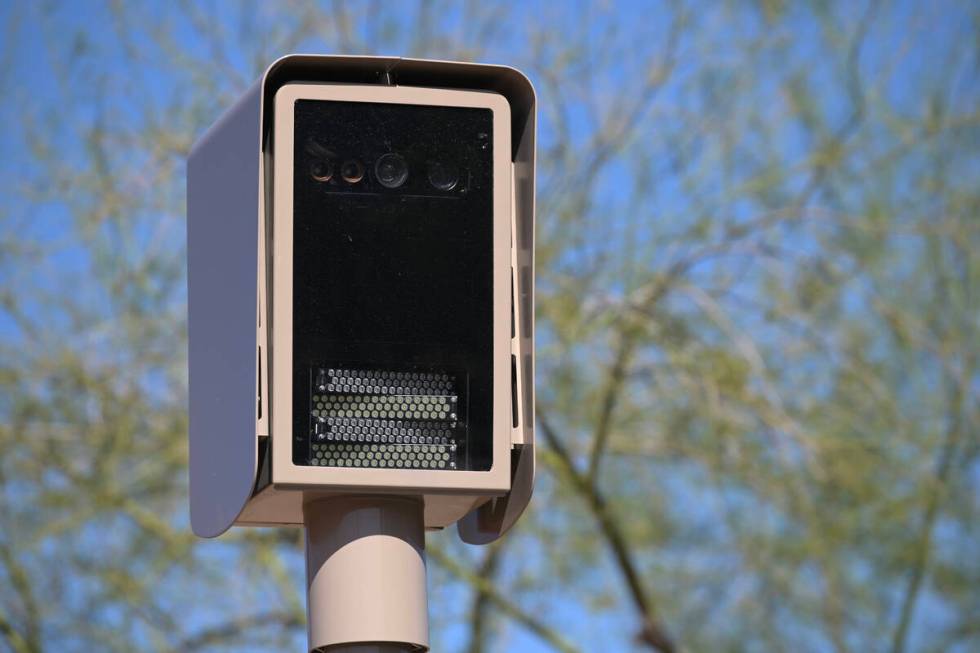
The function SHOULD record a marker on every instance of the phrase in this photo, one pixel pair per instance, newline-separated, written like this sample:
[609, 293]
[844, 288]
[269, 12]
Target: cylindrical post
[365, 575]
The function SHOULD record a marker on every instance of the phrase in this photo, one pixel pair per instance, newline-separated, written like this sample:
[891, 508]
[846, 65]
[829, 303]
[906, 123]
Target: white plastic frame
[340, 479]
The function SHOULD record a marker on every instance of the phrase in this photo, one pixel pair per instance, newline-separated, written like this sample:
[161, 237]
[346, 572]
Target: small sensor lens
[352, 171]
[443, 176]
[321, 170]
[391, 170]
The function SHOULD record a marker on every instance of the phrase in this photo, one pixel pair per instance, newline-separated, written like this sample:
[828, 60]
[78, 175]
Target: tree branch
[15, 639]
[628, 339]
[20, 581]
[480, 610]
[653, 634]
[923, 548]
[502, 603]
[230, 630]
[610, 398]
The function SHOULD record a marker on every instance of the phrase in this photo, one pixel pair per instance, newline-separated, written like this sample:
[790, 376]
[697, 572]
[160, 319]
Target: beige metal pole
[365, 575]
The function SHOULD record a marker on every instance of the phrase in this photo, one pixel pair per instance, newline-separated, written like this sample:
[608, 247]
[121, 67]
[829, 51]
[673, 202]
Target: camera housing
[371, 332]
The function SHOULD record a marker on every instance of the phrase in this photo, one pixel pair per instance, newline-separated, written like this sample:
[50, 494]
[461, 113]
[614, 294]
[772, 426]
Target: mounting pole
[365, 575]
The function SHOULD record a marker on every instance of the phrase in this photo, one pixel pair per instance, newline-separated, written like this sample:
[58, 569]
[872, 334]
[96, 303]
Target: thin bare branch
[652, 633]
[480, 610]
[502, 602]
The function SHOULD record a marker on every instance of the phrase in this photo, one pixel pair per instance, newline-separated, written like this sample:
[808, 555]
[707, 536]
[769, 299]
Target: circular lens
[321, 170]
[352, 171]
[444, 176]
[391, 170]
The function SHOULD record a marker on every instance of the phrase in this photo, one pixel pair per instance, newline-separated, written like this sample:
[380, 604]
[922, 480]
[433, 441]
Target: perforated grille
[385, 418]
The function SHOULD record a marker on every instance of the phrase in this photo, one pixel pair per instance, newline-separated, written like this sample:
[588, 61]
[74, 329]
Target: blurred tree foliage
[758, 310]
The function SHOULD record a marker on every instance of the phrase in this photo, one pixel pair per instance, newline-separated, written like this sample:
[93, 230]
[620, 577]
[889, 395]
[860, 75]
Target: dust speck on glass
[392, 286]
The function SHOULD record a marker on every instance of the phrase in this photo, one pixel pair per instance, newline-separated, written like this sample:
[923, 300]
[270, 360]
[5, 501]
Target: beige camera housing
[240, 276]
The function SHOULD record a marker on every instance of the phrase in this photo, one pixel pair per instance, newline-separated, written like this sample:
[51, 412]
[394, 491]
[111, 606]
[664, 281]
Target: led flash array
[383, 382]
[384, 419]
[396, 456]
[440, 407]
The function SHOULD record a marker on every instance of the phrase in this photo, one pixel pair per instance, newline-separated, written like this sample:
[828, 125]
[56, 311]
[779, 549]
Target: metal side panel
[223, 204]
[494, 518]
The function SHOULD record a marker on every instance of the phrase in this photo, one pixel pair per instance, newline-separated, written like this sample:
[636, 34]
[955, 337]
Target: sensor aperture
[391, 170]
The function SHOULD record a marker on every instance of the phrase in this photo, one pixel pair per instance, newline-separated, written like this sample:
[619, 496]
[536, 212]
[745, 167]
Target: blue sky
[34, 53]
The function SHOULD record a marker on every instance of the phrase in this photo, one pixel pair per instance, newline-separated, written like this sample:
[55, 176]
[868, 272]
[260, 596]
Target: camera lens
[352, 171]
[321, 170]
[444, 176]
[391, 170]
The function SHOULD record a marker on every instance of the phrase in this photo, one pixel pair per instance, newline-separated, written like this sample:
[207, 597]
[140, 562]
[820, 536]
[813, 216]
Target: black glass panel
[392, 286]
